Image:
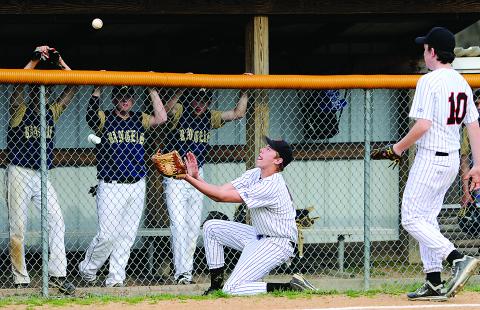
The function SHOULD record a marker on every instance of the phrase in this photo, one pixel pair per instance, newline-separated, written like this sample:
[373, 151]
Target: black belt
[441, 154]
[122, 181]
[259, 237]
[262, 236]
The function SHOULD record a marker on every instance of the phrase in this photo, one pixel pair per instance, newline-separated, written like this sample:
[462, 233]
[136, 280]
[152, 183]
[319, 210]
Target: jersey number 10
[458, 108]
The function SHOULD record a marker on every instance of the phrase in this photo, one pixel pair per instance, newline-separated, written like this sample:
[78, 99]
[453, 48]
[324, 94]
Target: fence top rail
[242, 81]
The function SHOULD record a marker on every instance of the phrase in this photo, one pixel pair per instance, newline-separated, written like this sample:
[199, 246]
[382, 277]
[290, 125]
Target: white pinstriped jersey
[269, 202]
[445, 98]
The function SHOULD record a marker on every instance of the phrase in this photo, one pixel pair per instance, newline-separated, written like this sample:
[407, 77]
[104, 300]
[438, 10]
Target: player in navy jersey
[23, 173]
[190, 124]
[121, 174]
[269, 241]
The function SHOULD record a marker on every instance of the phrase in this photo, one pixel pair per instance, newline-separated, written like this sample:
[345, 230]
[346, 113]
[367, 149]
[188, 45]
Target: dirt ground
[267, 302]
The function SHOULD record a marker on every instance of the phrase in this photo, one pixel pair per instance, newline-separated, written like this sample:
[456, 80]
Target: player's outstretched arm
[420, 127]
[215, 192]
[159, 113]
[222, 193]
[40, 52]
[240, 109]
[171, 106]
[70, 90]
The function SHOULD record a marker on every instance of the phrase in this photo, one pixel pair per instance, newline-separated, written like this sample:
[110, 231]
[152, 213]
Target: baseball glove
[170, 164]
[52, 57]
[303, 219]
[386, 152]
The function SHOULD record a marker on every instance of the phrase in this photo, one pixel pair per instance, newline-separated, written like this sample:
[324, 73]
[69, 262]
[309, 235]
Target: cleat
[429, 292]
[62, 284]
[299, 283]
[21, 285]
[210, 290]
[183, 280]
[462, 270]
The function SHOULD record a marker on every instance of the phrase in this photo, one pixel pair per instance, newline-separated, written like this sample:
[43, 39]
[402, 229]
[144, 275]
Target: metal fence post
[366, 188]
[43, 185]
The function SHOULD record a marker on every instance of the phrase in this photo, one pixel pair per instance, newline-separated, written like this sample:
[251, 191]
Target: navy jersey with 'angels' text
[121, 153]
[191, 133]
[23, 138]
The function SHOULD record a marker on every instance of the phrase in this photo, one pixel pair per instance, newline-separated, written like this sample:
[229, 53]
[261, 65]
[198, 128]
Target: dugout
[303, 38]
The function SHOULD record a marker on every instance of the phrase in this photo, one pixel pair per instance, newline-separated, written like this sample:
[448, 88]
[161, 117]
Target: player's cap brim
[283, 149]
[421, 40]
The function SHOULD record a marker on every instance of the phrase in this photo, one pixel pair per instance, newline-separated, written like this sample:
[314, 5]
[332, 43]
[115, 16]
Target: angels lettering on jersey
[196, 136]
[125, 136]
[33, 132]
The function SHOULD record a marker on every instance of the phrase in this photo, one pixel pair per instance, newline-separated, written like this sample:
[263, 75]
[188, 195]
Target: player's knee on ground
[230, 288]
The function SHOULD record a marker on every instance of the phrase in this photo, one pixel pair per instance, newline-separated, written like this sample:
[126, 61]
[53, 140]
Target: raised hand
[192, 165]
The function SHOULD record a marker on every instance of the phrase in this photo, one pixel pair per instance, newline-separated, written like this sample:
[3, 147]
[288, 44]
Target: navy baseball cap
[440, 38]
[283, 149]
[123, 92]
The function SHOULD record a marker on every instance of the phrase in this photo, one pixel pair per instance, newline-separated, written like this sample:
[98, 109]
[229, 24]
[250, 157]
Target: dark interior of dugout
[298, 44]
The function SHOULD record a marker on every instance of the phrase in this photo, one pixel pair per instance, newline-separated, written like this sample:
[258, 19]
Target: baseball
[97, 23]
[94, 139]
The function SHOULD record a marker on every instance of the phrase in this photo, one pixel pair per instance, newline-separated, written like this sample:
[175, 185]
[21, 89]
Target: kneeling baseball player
[269, 241]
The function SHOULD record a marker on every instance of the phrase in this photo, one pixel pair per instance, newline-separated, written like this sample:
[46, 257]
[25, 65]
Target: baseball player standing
[121, 174]
[23, 173]
[443, 101]
[190, 123]
[271, 238]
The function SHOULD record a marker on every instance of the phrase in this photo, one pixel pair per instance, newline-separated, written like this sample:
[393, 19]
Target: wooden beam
[252, 7]
[257, 62]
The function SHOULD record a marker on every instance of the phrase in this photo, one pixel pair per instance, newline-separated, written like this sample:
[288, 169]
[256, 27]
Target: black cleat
[462, 269]
[209, 291]
[62, 284]
[429, 292]
[183, 280]
[299, 283]
[21, 285]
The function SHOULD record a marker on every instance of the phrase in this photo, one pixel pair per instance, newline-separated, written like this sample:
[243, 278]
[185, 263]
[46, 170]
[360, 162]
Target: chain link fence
[142, 230]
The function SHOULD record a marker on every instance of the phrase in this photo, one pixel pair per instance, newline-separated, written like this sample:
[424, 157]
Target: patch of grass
[33, 301]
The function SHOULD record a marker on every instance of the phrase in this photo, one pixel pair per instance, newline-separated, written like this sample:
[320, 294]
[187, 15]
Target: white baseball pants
[428, 181]
[119, 210]
[259, 255]
[23, 186]
[184, 204]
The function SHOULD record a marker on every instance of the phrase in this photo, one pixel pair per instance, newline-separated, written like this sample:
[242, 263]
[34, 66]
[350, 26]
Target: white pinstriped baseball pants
[23, 186]
[185, 205]
[428, 181]
[258, 258]
[119, 210]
